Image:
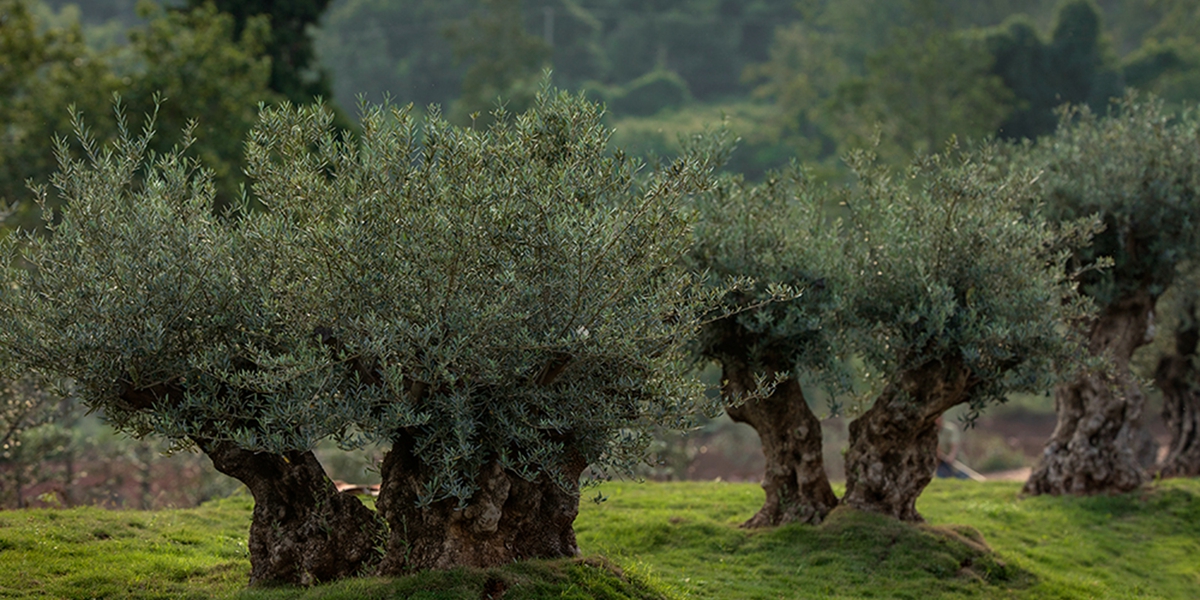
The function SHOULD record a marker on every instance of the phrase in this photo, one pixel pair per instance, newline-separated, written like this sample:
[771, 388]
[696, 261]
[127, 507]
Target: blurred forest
[795, 79]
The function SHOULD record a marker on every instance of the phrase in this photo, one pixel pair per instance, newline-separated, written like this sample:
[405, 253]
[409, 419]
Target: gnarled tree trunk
[1095, 446]
[303, 531]
[795, 481]
[893, 446]
[1178, 379]
[507, 519]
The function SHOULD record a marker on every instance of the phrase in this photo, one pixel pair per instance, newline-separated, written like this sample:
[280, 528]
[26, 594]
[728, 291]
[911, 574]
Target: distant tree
[1138, 171]
[36, 429]
[44, 71]
[505, 62]
[776, 233]
[295, 73]
[503, 306]
[205, 67]
[1176, 19]
[186, 58]
[802, 72]
[1167, 63]
[396, 48]
[930, 85]
[1074, 66]
[958, 298]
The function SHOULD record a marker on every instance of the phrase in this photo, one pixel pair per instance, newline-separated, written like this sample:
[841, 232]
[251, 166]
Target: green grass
[91, 552]
[677, 540]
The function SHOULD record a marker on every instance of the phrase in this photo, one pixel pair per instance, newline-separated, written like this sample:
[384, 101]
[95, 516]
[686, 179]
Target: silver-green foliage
[779, 233]
[507, 294]
[949, 266]
[1138, 170]
[135, 280]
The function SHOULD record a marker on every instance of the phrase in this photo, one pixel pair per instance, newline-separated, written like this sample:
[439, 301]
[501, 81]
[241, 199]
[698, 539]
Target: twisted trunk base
[893, 446]
[507, 519]
[1095, 446]
[1176, 376]
[795, 481]
[303, 531]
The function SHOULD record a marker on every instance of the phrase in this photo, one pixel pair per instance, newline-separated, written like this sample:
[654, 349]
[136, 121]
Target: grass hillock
[672, 540]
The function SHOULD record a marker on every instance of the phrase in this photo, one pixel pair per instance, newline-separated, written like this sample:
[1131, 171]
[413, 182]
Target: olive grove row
[509, 307]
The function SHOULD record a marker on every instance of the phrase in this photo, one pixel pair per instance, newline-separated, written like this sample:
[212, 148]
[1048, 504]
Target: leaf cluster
[780, 235]
[950, 267]
[189, 58]
[1138, 171]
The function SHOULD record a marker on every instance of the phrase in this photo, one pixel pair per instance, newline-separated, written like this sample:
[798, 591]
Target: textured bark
[507, 519]
[893, 446]
[1095, 446]
[795, 481]
[1176, 376]
[303, 531]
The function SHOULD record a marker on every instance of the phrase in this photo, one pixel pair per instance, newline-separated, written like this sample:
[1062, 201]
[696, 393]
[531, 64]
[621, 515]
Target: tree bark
[795, 481]
[1095, 446]
[303, 531]
[893, 445]
[507, 519]
[1176, 376]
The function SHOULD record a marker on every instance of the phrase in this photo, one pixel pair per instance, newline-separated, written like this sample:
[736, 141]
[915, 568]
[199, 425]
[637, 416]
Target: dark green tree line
[1073, 66]
[295, 72]
[189, 59]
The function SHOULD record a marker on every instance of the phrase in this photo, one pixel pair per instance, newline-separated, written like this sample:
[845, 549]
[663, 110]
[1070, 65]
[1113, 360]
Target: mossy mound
[592, 577]
[950, 551]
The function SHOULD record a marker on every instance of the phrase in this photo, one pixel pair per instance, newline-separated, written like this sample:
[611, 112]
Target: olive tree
[151, 305]
[1138, 169]
[958, 298]
[501, 306]
[509, 301]
[777, 233]
[1176, 374]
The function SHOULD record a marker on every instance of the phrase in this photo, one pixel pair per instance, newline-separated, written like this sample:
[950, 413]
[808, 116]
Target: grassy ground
[677, 541]
[1141, 545]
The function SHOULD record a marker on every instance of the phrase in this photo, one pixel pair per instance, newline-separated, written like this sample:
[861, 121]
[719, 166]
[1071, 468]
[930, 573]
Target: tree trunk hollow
[1176, 376]
[1095, 446]
[796, 485]
[507, 519]
[893, 445]
[303, 530]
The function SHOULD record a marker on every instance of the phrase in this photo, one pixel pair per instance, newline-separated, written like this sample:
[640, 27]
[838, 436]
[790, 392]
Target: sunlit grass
[1141, 545]
[672, 540]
